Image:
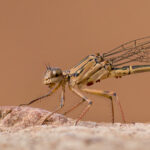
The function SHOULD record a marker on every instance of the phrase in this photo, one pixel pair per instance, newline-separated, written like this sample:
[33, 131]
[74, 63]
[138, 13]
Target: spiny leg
[107, 94]
[62, 102]
[86, 109]
[39, 98]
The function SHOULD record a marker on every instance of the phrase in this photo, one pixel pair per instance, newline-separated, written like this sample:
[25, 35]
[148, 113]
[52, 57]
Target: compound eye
[56, 75]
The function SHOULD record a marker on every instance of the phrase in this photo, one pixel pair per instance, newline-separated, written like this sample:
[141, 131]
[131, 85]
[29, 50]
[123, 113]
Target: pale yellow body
[95, 68]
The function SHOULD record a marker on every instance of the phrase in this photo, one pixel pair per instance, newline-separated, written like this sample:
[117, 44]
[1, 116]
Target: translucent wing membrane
[137, 50]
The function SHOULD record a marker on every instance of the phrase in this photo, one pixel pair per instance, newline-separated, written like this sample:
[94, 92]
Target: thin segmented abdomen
[127, 70]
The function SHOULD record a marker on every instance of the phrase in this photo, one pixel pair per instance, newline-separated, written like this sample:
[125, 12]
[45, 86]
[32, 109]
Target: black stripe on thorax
[76, 70]
[80, 70]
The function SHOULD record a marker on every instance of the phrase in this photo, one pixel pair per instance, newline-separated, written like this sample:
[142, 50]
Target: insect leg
[75, 106]
[107, 94]
[39, 98]
[88, 106]
[62, 102]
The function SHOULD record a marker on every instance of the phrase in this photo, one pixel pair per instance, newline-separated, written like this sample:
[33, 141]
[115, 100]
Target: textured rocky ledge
[14, 118]
[23, 128]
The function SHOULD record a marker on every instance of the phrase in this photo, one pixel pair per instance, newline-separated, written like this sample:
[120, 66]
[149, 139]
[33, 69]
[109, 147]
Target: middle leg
[75, 106]
[85, 99]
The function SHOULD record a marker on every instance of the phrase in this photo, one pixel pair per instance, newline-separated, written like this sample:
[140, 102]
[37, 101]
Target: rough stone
[22, 128]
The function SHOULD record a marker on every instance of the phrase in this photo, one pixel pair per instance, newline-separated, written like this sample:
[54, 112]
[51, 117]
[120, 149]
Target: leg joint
[61, 105]
[90, 102]
[115, 94]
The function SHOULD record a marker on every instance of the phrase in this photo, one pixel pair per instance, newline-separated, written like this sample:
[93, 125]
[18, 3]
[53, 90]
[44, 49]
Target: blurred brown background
[61, 33]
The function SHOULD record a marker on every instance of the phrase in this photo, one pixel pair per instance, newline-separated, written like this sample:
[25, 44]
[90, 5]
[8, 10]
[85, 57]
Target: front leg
[62, 102]
[107, 94]
[39, 98]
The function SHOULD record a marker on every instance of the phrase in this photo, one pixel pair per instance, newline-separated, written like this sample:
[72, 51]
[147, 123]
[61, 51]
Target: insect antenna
[47, 67]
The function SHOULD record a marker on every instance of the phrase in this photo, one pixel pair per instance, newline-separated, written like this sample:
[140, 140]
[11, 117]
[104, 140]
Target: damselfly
[95, 68]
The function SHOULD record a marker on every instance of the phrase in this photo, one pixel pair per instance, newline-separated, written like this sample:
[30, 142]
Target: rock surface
[22, 128]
